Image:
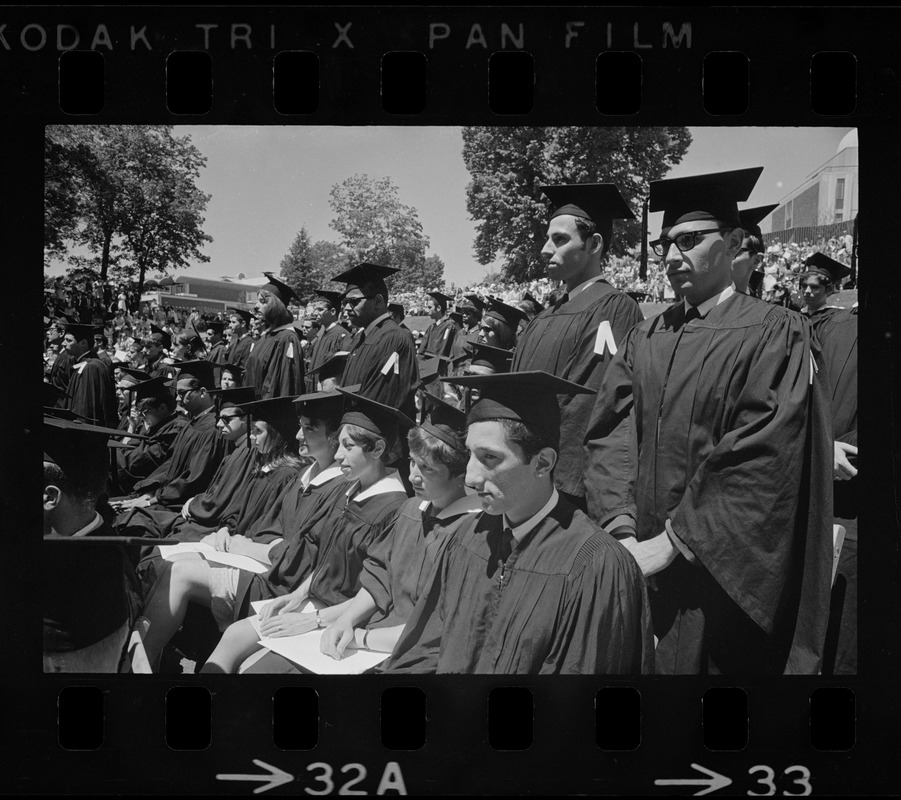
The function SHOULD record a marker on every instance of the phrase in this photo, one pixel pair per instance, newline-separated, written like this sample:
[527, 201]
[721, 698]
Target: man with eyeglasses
[751, 253]
[382, 357]
[197, 451]
[156, 410]
[709, 454]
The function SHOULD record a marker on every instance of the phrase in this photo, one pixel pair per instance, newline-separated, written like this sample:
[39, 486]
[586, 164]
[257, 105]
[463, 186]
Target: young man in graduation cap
[531, 585]
[441, 334]
[153, 348]
[216, 349]
[709, 454]
[399, 314]
[196, 453]
[275, 365]
[577, 337]
[821, 278]
[241, 342]
[751, 253]
[382, 358]
[91, 390]
[332, 335]
[85, 603]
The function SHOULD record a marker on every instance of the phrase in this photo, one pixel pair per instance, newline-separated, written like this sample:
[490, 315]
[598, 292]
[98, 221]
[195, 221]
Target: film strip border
[357, 65]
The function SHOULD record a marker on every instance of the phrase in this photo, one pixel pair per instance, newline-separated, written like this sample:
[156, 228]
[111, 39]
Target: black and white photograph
[394, 400]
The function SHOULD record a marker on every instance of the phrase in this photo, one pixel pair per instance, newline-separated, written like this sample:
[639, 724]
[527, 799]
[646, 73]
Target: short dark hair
[588, 228]
[529, 438]
[101, 340]
[83, 486]
[755, 243]
[154, 402]
[366, 439]
[430, 448]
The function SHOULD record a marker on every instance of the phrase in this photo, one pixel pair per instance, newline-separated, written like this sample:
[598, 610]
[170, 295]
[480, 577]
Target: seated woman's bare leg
[238, 642]
[186, 581]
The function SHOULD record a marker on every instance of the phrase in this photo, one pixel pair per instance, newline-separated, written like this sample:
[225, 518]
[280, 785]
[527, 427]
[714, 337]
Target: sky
[266, 182]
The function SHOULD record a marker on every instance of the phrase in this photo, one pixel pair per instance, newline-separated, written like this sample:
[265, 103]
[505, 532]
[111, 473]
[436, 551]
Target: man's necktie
[691, 314]
[506, 545]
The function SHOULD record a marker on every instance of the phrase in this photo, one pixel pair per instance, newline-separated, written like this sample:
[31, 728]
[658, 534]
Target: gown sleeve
[208, 449]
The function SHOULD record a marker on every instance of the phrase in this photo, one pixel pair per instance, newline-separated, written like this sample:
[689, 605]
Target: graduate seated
[334, 537]
[195, 577]
[197, 452]
[530, 585]
[396, 569]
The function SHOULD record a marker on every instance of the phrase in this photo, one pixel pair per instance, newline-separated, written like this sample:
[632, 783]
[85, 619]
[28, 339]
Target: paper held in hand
[174, 551]
[304, 651]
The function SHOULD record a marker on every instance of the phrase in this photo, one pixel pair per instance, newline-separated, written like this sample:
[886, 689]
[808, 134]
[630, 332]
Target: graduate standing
[241, 341]
[749, 259]
[332, 336]
[275, 365]
[531, 585]
[441, 335]
[577, 336]
[710, 454]
[92, 391]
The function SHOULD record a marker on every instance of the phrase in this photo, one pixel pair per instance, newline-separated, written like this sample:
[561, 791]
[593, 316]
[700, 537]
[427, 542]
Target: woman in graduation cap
[326, 569]
[499, 324]
[274, 464]
[397, 568]
[275, 364]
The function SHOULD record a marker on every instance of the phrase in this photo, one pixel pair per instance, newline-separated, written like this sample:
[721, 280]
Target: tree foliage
[127, 194]
[375, 226]
[508, 165]
[308, 266]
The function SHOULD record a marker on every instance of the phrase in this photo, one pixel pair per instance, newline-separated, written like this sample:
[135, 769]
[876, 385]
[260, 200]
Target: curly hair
[434, 451]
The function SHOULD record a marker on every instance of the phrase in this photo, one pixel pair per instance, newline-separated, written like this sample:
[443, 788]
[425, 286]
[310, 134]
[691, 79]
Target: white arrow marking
[714, 782]
[276, 777]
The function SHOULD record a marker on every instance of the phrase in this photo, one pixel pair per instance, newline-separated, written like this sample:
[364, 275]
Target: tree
[127, 194]
[375, 226]
[296, 269]
[508, 165]
[329, 259]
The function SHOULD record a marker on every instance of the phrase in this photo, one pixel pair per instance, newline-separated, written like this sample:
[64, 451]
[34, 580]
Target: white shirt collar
[390, 483]
[331, 471]
[711, 302]
[520, 531]
[91, 526]
[468, 504]
[583, 286]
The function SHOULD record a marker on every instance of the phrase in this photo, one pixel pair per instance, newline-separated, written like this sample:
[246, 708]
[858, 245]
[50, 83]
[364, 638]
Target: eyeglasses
[353, 302]
[181, 394]
[684, 241]
[227, 418]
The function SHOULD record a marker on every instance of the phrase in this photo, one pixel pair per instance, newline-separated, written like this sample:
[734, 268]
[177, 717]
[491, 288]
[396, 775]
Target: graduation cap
[372, 416]
[228, 398]
[244, 314]
[321, 405]
[215, 326]
[432, 368]
[755, 278]
[397, 309]
[444, 422]
[751, 218]
[159, 336]
[154, 387]
[457, 317]
[201, 370]
[78, 448]
[511, 315]
[441, 298]
[280, 289]
[80, 331]
[599, 202]
[530, 298]
[495, 358]
[364, 273]
[474, 301]
[527, 397]
[820, 264]
[332, 368]
[334, 298]
[279, 412]
[137, 374]
[712, 197]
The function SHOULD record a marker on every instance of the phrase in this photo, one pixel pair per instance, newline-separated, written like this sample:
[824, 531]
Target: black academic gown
[397, 568]
[569, 600]
[92, 391]
[196, 455]
[837, 335]
[439, 338]
[383, 362]
[324, 347]
[716, 431]
[275, 365]
[84, 592]
[61, 373]
[216, 355]
[576, 340]
[239, 351]
[138, 462]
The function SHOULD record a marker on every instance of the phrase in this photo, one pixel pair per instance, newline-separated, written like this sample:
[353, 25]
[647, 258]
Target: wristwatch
[318, 621]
